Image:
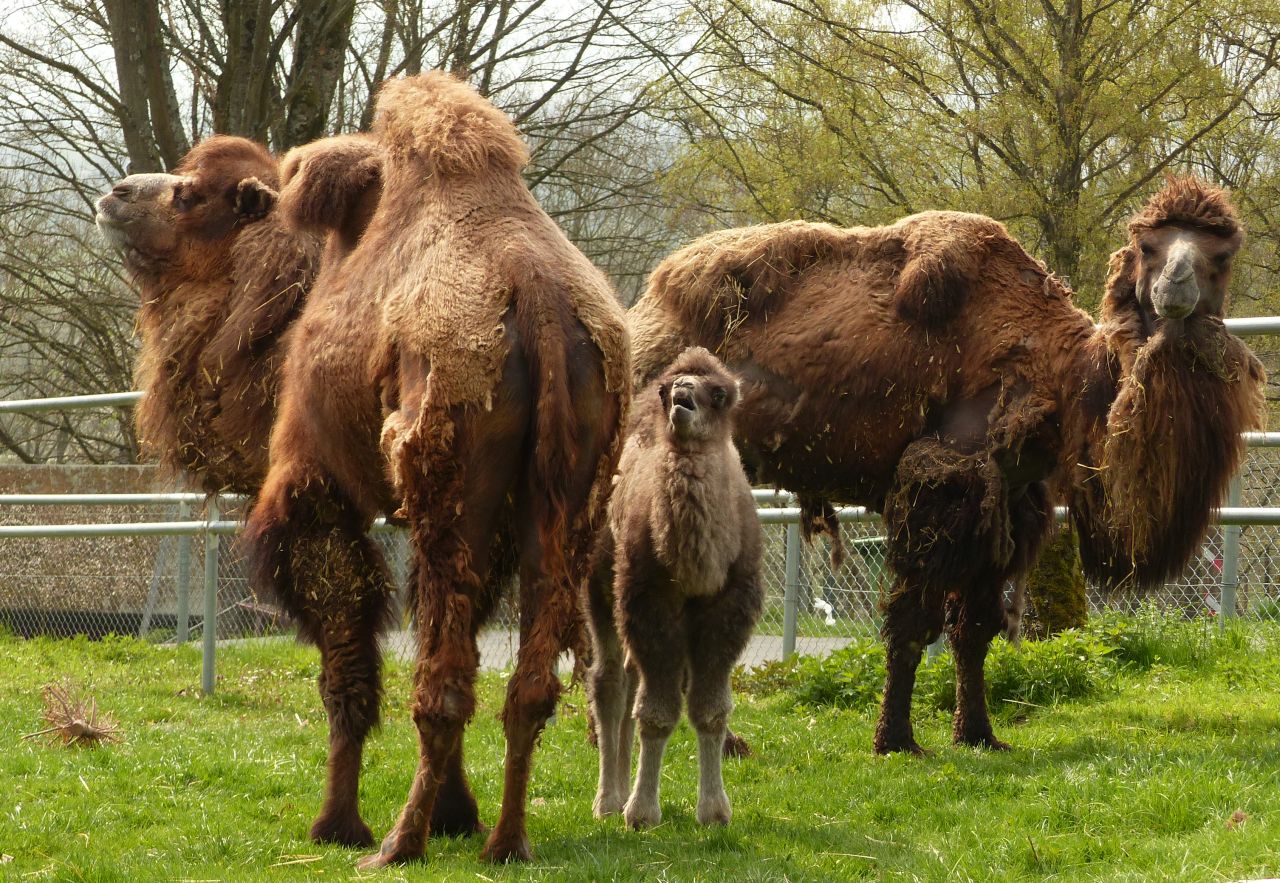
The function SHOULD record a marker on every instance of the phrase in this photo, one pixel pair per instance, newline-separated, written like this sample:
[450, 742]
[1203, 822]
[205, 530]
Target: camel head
[183, 224]
[698, 395]
[1183, 243]
[1185, 388]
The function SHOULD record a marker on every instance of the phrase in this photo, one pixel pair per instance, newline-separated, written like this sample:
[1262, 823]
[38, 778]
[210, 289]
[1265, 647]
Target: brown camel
[675, 586]
[933, 371]
[221, 280]
[463, 353]
[224, 269]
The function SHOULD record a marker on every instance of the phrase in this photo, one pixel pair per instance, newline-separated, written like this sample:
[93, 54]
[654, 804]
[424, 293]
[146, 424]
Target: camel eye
[1221, 260]
[718, 396]
[1148, 251]
[185, 198]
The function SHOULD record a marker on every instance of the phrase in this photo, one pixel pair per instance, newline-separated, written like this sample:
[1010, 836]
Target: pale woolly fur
[448, 123]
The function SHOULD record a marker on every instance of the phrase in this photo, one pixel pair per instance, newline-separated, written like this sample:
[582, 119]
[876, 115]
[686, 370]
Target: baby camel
[675, 584]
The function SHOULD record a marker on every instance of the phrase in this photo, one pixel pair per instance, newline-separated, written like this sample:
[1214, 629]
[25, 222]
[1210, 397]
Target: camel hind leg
[554, 545]
[606, 680]
[457, 468]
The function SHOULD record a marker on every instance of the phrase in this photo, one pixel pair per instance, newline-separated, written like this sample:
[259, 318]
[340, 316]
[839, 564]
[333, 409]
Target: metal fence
[167, 566]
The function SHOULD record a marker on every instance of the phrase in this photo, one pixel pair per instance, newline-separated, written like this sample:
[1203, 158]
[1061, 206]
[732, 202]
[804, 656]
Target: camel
[221, 281]
[675, 586]
[935, 372]
[460, 356]
[225, 265]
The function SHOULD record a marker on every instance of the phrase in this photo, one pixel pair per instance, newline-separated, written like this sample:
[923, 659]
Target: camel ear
[1120, 302]
[332, 185]
[254, 199]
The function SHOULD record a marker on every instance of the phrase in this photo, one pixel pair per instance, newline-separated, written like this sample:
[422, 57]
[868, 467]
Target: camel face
[698, 406]
[137, 216]
[185, 222]
[1184, 270]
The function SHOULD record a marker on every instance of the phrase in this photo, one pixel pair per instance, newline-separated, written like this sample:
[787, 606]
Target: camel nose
[123, 191]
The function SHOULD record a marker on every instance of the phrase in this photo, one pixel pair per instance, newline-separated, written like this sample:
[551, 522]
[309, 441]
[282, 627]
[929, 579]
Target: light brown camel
[224, 270]
[935, 372]
[675, 586]
[465, 350]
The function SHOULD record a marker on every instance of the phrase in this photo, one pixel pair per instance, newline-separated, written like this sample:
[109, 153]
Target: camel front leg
[910, 625]
[979, 618]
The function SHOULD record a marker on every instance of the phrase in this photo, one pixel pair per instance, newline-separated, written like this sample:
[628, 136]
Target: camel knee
[531, 699]
[709, 711]
[352, 698]
[656, 715]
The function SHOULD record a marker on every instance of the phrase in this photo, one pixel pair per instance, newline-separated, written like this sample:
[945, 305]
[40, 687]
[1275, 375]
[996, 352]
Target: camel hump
[945, 256]
[716, 281]
[324, 181]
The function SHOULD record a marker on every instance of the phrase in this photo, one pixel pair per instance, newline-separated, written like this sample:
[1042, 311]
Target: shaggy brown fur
[464, 357]
[675, 586]
[222, 280]
[961, 421]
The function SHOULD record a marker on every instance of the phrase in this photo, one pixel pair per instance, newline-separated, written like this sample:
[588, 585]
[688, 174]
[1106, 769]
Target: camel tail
[545, 337]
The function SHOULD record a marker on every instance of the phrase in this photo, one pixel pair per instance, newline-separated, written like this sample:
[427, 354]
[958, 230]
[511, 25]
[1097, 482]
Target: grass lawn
[1170, 772]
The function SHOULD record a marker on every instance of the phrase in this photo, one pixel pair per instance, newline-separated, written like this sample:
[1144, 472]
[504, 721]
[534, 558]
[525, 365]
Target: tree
[1056, 117]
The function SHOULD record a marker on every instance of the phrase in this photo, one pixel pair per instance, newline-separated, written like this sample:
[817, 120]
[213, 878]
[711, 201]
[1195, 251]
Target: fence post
[1230, 559]
[791, 596]
[184, 580]
[210, 596]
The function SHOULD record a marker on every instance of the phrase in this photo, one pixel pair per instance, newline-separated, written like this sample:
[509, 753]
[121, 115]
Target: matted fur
[216, 304]
[459, 356]
[956, 415]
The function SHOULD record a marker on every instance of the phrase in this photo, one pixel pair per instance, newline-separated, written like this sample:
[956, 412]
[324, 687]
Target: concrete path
[498, 648]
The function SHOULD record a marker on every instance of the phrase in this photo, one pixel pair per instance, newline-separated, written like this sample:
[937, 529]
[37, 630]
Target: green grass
[1135, 780]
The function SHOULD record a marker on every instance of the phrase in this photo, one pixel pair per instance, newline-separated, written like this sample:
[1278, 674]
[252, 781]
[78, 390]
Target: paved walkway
[498, 648]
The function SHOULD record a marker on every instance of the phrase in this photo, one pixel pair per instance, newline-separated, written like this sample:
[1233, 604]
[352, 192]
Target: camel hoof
[455, 824]
[503, 850]
[735, 746]
[640, 816]
[347, 830]
[385, 858]
[714, 811]
[984, 740]
[904, 746]
[607, 805]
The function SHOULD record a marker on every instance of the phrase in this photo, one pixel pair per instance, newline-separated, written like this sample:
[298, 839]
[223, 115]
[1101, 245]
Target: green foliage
[1058, 122]
[1074, 664]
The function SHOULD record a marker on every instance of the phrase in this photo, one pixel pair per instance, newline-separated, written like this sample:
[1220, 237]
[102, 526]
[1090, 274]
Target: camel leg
[311, 553]
[655, 630]
[607, 681]
[456, 469]
[719, 629]
[910, 625]
[979, 618]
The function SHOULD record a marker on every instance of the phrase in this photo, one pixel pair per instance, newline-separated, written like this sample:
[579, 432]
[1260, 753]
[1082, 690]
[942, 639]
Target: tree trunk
[323, 30]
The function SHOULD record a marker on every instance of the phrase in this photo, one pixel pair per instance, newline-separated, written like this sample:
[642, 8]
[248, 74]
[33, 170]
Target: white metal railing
[777, 508]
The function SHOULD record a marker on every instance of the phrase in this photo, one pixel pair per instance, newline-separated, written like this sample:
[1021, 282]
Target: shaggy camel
[224, 268]
[463, 352]
[221, 280]
[933, 371]
[675, 586]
